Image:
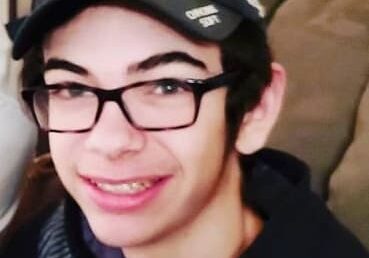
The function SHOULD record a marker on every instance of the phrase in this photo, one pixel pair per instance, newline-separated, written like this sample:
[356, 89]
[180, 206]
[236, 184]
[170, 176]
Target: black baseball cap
[212, 20]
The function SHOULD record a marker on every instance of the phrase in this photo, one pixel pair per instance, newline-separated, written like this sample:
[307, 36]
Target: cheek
[65, 151]
[200, 148]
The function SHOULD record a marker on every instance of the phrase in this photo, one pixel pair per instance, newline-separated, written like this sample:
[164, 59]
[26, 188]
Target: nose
[113, 136]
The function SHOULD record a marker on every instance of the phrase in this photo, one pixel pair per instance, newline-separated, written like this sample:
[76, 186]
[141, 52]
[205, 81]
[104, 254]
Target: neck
[224, 227]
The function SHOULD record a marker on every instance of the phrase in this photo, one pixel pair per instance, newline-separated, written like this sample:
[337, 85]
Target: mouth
[117, 196]
[130, 187]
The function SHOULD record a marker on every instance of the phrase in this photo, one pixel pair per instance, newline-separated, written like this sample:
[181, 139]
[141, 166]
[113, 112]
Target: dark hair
[246, 51]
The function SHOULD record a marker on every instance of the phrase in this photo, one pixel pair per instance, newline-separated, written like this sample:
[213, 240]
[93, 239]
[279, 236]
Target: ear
[258, 123]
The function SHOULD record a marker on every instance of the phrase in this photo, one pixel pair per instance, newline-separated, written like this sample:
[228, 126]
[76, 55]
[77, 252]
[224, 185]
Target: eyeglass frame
[198, 86]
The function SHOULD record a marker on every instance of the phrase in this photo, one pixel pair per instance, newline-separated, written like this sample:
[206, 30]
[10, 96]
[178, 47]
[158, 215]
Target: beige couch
[325, 48]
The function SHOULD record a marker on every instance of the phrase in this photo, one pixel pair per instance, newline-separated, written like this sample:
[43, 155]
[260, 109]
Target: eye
[170, 87]
[69, 92]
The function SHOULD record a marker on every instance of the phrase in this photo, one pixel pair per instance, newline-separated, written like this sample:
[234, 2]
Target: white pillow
[17, 141]
[18, 135]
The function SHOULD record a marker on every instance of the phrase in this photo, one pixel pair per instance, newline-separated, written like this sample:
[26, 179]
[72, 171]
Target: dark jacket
[276, 185]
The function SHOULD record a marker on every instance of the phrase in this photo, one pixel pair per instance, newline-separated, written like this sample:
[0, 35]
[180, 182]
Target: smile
[128, 188]
[117, 196]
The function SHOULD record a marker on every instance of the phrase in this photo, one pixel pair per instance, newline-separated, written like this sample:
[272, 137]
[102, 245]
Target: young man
[156, 112]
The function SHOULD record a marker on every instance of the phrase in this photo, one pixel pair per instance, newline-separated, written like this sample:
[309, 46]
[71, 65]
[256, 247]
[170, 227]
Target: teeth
[125, 188]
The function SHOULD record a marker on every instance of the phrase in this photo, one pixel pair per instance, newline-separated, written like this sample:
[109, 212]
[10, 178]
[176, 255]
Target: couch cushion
[349, 186]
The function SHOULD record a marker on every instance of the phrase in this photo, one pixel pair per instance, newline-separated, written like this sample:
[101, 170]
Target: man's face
[135, 186]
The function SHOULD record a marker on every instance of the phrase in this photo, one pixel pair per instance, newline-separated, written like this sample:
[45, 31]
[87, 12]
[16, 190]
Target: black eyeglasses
[156, 105]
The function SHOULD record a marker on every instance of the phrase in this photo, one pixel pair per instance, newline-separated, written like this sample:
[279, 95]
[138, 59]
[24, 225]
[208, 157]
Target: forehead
[106, 32]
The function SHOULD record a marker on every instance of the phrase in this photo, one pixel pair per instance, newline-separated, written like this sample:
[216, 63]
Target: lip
[121, 203]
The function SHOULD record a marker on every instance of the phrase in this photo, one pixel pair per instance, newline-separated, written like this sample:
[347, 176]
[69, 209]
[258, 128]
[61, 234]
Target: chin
[118, 239]
[115, 233]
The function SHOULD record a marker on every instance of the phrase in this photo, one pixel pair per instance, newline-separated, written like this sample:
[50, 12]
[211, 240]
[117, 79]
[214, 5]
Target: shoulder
[297, 221]
[24, 242]
[55, 233]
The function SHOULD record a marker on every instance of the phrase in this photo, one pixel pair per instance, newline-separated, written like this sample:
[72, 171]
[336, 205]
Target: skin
[204, 185]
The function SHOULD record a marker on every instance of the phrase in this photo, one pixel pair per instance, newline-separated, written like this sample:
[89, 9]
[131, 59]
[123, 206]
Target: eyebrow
[164, 59]
[61, 64]
[147, 64]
